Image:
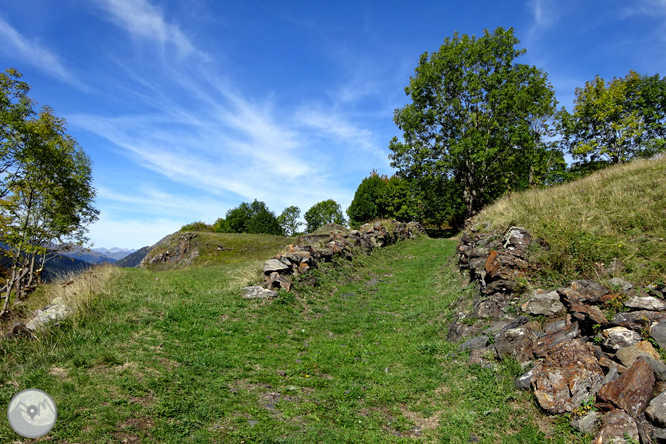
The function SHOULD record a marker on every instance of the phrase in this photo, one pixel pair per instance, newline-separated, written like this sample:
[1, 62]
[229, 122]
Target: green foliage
[221, 226]
[197, 226]
[476, 117]
[367, 203]
[46, 193]
[253, 218]
[603, 125]
[322, 213]
[289, 220]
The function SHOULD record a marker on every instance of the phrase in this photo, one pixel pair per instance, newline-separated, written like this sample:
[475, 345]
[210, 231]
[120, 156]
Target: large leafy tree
[472, 117]
[605, 125]
[322, 213]
[46, 193]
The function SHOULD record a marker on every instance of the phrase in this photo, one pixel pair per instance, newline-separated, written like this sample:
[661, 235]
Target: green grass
[617, 214]
[179, 357]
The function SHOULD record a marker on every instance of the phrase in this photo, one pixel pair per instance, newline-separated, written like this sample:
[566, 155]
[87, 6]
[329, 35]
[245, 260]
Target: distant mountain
[84, 254]
[115, 253]
[56, 266]
[134, 259]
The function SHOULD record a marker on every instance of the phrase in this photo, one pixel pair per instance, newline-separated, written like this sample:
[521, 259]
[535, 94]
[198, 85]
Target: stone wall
[280, 271]
[583, 345]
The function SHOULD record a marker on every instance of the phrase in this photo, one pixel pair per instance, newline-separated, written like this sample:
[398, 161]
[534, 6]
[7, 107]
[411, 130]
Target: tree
[46, 184]
[472, 117]
[366, 205]
[606, 124]
[252, 217]
[289, 220]
[322, 213]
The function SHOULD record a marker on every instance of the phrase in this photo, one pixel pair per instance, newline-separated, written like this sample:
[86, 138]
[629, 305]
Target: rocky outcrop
[580, 356]
[281, 270]
[180, 251]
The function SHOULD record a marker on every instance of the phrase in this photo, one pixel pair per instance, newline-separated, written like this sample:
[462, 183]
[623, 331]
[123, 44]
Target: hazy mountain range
[96, 255]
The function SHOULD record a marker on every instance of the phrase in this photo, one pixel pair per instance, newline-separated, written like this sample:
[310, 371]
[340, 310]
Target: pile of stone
[280, 271]
[578, 358]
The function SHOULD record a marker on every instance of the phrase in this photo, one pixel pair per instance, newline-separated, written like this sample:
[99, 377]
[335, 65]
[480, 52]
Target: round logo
[32, 413]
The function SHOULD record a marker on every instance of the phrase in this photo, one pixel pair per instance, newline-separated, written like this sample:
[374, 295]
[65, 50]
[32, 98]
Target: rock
[616, 424]
[474, 343]
[632, 391]
[621, 284]
[617, 337]
[525, 381]
[52, 312]
[611, 376]
[591, 312]
[274, 265]
[542, 303]
[583, 291]
[492, 306]
[483, 356]
[276, 280]
[258, 292]
[637, 320]
[646, 303]
[517, 342]
[567, 376]
[501, 285]
[557, 325]
[658, 333]
[656, 410]
[588, 424]
[502, 265]
[628, 355]
[657, 366]
[553, 338]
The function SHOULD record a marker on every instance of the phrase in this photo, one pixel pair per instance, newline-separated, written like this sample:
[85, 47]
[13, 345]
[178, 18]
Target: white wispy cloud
[145, 21]
[14, 44]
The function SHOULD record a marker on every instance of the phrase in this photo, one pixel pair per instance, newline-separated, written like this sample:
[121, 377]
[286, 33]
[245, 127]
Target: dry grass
[79, 291]
[617, 214]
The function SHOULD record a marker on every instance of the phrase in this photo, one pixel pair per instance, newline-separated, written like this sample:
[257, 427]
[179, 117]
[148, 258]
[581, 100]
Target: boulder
[617, 337]
[617, 424]
[628, 355]
[517, 342]
[656, 410]
[638, 320]
[474, 343]
[632, 391]
[544, 303]
[583, 291]
[55, 311]
[646, 303]
[256, 292]
[621, 284]
[658, 333]
[274, 265]
[657, 366]
[567, 376]
[553, 338]
[588, 424]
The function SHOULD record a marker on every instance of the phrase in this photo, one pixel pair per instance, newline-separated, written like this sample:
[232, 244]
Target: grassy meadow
[177, 356]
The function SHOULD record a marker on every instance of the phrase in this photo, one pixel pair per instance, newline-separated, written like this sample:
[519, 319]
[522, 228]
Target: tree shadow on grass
[442, 234]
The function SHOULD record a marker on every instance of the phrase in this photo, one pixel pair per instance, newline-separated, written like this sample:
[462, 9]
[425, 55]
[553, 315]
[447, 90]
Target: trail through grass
[180, 357]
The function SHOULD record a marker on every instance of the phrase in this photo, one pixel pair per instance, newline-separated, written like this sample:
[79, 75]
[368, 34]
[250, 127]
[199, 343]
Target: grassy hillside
[615, 218]
[178, 356]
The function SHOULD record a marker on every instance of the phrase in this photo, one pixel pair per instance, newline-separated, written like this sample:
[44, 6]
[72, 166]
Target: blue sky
[188, 108]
